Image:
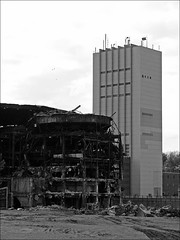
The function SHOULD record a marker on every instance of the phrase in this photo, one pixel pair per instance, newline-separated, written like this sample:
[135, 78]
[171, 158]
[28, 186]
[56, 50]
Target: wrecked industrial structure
[51, 156]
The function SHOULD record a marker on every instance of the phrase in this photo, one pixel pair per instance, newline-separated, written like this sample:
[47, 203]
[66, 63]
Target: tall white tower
[128, 80]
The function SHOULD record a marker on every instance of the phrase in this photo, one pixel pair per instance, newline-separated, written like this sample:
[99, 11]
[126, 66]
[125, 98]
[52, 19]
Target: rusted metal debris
[70, 159]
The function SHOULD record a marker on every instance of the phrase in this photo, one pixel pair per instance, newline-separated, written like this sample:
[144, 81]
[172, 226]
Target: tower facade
[127, 85]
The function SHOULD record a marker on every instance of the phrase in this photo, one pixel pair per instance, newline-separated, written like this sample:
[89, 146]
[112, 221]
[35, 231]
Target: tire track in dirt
[112, 219]
[153, 233]
[150, 228]
[159, 235]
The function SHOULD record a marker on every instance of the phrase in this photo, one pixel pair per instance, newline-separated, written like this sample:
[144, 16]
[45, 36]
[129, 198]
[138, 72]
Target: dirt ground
[64, 224]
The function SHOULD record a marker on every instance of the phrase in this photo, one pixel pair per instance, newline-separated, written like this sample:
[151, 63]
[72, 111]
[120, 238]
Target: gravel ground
[64, 224]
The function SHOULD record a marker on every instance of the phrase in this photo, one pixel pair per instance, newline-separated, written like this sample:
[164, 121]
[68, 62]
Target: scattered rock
[143, 212]
[19, 209]
[11, 208]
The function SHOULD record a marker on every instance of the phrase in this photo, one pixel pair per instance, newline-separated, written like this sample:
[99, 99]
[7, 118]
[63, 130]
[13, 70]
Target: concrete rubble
[128, 209]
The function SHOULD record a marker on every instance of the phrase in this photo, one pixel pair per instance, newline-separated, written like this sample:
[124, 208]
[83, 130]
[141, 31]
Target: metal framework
[77, 155]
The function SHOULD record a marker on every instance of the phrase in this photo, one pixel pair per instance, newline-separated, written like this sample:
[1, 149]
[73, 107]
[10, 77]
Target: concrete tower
[127, 83]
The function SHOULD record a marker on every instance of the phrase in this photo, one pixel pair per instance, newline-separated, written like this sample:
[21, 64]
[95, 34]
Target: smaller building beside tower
[171, 183]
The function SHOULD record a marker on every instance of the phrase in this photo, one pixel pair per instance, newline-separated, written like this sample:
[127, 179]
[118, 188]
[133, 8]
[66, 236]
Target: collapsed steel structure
[72, 159]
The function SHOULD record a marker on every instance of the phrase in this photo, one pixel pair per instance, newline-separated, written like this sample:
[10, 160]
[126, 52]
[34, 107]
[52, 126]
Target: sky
[47, 51]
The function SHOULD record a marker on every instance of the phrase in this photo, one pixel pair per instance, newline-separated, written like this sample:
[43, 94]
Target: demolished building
[51, 156]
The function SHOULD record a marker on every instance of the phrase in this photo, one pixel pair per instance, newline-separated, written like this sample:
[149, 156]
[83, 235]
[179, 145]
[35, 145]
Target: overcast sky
[47, 47]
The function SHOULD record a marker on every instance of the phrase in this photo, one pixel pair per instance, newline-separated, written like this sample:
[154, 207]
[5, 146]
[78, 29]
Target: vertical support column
[13, 148]
[97, 181]
[20, 151]
[84, 185]
[131, 139]
[109, 156]
[112, 82]
[62, 139]
[131, 100]
[125, 98]
[44, 152]
[119, 190]
[109, 194]
[120, 169]
[31, 193]
[105, 82]
[161, 113]
[6, 189]
[118, 87]
[100, 81]
[9, 152]
[64, 186]
[12, 190]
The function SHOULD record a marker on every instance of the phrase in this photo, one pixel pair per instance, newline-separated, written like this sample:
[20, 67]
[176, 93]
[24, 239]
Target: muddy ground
[64, 224]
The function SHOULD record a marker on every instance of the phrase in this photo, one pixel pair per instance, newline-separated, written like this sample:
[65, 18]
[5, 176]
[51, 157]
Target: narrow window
[147, 134]
[147, 114]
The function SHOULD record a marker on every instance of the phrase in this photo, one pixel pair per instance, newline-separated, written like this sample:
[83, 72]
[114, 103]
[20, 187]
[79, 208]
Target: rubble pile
[128, 209]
